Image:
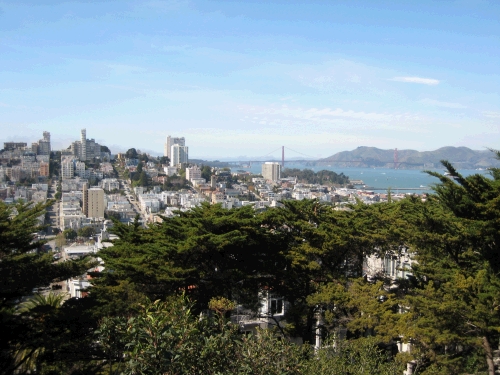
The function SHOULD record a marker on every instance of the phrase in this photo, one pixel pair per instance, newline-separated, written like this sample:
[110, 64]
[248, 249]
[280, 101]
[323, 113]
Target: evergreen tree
[22, 269]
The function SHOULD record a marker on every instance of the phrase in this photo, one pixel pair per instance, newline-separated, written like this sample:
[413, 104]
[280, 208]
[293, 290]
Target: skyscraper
[179, 154]
[271, 171]
[44, 144]
[83, 145]
[170, 142]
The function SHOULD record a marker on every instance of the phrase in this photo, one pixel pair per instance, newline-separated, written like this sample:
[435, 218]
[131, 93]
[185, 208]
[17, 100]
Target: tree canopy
[23, 268]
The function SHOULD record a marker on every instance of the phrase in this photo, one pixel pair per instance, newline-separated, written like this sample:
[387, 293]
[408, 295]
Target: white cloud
[299, 118]
[420, 80]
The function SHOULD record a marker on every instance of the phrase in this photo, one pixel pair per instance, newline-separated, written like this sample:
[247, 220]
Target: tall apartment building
[67, 169]
[179, 154]
[83, 144]
[85, 149]
[93, 202]
[170, 142]
[44, 144]
[271, 171]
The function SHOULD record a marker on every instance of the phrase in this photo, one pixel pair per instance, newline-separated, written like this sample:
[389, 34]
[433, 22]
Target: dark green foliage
[70, 234]
[322, 177]
[105, 149]
[206, 172]
[23, 268]
[131, 153]
[86, 232]
[164, 160]
[208, 251]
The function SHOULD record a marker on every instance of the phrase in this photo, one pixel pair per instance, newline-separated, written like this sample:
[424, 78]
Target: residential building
[170, 142]
[44, 169]
[85, 149]
[192, 173]
[179, 155]
[67, 169]
[93, 202]
[11, 146]
[271, 171]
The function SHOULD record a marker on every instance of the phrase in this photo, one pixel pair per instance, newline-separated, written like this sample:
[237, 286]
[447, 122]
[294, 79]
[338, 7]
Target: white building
[271, 171]
[169, 143]
[67, 169]
[179, 155]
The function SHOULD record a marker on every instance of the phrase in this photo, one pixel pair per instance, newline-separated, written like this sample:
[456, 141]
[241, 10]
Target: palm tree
[37, 307]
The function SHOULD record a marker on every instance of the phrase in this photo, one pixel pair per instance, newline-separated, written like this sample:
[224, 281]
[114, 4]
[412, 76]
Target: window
[276, 305]
[406, 270]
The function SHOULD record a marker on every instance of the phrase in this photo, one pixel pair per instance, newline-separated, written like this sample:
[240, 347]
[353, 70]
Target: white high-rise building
[271, 171]
[169, 143]
[83, 145]
[67, 169]
[179, 155]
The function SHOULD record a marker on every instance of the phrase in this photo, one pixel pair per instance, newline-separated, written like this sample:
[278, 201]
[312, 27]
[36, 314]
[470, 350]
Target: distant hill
[460, 157]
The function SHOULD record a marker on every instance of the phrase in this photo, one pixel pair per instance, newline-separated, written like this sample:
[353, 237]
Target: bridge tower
[282, 157]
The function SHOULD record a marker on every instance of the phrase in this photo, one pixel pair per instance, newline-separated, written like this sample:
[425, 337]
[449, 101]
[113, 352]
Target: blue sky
[245, 78]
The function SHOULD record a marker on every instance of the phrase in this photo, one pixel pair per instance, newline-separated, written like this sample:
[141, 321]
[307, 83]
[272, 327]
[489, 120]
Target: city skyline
[246, 78]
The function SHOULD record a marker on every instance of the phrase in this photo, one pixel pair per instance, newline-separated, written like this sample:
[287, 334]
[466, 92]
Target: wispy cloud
[324, 118]
[420, 80]
[438, 103]
[492, 114]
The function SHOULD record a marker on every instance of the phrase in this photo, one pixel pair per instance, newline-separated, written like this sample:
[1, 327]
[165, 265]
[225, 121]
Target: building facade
[271, 171]
[93, 202]
[179, 155]
[170, 142]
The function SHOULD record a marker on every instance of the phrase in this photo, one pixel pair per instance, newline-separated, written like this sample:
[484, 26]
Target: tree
[131, 153]
[60, 240]
[164, 160]
[162, 337]
[86, 232]
[206, 172]
[322, 247]
[70, 234]
[105, 149]
[208, 251]
[23, 268]
[355, 357]
[453, 302]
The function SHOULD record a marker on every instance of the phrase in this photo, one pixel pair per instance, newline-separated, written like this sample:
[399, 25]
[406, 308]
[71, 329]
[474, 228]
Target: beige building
[44, 169]
[93, 202]
[193, 173]
[271, 171]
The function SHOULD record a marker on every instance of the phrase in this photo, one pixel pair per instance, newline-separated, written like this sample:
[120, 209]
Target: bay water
[381, 179]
